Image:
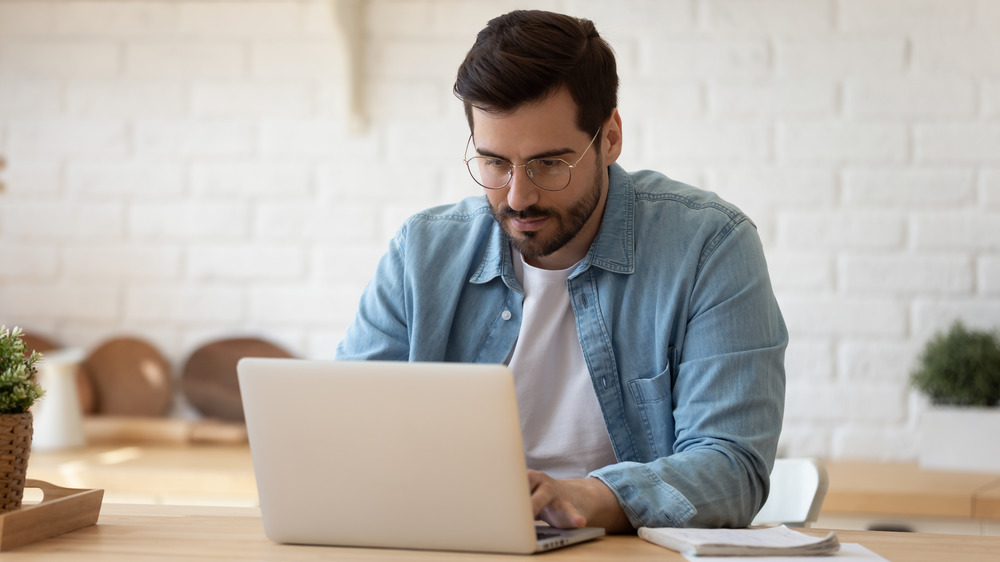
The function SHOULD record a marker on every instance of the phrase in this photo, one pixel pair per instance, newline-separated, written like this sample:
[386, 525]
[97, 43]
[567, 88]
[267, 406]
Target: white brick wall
[106, 19]
[989, 273]
[837, 142]
[184, 58]
[119, 262]
[108, 179]
[157, 98]
[184, 304]
[991, 188]
[46, 138]
[905, 16]
[903, 275]
[925, 98]
[916, 188]
[185, 170]
[60, 60]
[61, 221]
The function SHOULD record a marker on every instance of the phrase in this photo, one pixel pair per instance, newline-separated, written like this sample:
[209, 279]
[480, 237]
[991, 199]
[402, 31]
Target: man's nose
[521, 191]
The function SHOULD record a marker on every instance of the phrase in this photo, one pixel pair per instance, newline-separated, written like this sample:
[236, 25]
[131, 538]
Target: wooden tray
[61, 510]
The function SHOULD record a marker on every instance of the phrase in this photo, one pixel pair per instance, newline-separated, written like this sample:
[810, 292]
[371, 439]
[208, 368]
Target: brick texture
[185, 171]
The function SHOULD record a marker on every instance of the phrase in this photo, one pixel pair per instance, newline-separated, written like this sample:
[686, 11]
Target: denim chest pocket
[654, 401]
[656, 389]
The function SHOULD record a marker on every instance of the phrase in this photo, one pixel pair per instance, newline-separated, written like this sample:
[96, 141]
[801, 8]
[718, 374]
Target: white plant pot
[960, 438]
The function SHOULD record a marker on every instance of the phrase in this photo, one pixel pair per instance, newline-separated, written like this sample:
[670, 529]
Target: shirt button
[505, 315]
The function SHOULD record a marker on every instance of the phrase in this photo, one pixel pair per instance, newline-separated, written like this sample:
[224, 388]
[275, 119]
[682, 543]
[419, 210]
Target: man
[635, 312]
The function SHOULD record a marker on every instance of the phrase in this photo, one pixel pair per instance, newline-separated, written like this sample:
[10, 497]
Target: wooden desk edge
[913, 547]
[904, 489]
[986, 503]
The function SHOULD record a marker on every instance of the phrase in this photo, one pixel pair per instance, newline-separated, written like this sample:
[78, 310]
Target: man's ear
[612, 147]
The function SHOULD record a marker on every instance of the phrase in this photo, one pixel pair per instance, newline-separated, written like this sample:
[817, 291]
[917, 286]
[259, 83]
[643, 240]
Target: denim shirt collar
[613, 249]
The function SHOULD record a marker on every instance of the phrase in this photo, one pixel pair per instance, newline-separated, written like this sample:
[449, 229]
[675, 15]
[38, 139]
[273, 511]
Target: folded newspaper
[769, 541]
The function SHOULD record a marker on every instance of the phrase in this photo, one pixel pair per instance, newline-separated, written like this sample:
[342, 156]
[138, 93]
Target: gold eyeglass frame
[511, 166]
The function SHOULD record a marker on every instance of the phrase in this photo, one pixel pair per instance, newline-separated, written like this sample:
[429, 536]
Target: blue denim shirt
[677, 320]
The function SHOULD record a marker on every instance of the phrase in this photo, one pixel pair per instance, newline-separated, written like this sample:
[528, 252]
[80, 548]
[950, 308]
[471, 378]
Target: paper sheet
[760, 542]
[849, 552]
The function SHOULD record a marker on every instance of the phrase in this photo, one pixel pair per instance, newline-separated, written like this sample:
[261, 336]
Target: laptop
[392, 454]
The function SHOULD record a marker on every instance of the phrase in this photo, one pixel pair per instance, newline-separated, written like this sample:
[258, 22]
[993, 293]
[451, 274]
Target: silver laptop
[391, 454]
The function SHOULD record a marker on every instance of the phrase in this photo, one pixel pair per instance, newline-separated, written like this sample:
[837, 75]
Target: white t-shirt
[561, 422]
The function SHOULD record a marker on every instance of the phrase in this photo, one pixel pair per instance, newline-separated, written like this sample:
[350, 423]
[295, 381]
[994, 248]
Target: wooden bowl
[130, 377]
[209, 380]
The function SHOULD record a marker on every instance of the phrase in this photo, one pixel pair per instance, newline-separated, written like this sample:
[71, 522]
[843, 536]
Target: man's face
[551, 229]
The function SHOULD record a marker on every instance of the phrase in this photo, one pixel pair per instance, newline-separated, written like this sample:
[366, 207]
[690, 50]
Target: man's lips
[525, 220]
[528, 224]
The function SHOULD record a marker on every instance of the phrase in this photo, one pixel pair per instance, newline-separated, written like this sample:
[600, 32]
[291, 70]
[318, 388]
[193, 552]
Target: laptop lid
[389, 454]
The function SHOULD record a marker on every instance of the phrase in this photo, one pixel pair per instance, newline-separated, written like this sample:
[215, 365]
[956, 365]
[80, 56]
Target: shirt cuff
[647, 500]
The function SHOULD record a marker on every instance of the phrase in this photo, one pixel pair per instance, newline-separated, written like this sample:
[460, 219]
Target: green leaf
[960, 368]
[19, 388]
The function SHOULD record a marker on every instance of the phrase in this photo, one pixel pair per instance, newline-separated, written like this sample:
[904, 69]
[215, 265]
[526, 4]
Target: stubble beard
[568, 224]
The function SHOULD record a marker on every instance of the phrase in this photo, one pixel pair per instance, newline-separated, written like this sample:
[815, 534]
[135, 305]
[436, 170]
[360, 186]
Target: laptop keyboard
[542, 533]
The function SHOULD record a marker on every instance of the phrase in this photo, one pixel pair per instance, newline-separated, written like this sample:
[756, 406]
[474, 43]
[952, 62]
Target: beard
[568, 222]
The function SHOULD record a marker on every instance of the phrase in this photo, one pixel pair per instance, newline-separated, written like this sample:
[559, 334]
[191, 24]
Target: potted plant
[18, 391]
[959, 372]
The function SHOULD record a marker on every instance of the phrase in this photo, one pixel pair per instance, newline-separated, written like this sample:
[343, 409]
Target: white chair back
[798, 487]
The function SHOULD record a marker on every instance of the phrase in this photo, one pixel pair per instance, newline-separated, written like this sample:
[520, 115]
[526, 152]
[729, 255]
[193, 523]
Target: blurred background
[183, 171]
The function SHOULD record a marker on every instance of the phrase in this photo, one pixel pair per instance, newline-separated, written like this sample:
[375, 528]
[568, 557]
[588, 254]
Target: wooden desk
[147, 532]
[903, 489]
[987, 509]
[860, 494]
[903, 494]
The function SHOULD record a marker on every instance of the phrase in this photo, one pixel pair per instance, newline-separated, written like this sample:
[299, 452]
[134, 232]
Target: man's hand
[577, 502]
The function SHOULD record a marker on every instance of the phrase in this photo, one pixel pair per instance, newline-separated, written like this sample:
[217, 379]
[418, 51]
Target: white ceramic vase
[58, 416]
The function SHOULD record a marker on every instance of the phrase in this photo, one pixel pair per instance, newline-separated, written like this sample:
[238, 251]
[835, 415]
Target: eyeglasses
[550, 174]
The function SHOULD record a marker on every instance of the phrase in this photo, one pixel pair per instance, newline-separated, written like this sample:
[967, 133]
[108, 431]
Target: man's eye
[548, 163]
[494, 162]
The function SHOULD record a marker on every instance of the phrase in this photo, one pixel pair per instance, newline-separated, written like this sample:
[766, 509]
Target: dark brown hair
[525, 55]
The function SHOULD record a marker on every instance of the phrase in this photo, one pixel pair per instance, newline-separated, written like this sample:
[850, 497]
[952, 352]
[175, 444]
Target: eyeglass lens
[494, 173]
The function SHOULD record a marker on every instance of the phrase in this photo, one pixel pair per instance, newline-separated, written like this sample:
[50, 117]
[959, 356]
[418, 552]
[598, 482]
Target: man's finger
[543, 491]
[553, 504]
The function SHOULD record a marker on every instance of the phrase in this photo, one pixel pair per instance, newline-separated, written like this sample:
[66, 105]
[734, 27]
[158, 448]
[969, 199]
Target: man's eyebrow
[547, 154]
